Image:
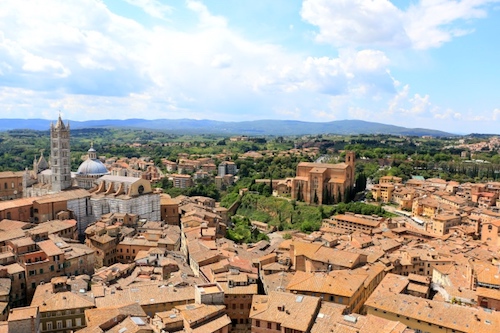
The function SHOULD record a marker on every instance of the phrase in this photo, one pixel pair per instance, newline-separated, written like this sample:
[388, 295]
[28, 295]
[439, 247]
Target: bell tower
[60, 156]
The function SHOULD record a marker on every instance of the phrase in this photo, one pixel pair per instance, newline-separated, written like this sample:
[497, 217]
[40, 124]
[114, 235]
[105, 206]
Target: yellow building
[383, 192]
[348, 288]
[389, 301]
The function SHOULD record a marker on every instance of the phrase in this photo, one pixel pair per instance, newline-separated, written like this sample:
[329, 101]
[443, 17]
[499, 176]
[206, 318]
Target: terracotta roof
[323, 165]
[212, 326]
[358, 220]
[342, 283]
[8, 204]
[50, 248]
[6, 224]
[96, 317]
[151, 293]
[23, 313]
[331, 319]
[488, 293]
[295, 312]
[48, 301]
[63, 196]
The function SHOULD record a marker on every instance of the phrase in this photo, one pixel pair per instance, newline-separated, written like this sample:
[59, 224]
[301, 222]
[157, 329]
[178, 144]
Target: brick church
[321, 183]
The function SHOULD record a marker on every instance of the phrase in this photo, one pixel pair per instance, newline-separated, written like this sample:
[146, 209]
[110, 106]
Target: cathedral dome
[92, 167]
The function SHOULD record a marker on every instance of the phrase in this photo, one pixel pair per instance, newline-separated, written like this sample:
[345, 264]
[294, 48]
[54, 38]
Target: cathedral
[106, 194]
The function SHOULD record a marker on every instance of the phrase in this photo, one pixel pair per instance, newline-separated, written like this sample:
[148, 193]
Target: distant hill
[252, 128]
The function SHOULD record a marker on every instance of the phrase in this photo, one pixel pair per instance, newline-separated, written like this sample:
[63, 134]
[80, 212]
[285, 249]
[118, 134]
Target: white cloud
[404, 104]
[378, 23]
[420, 104]
[33, 63]
[206, 18]
[360, 74]
[395, 104]
[355, 22]
[496, 115]
[360, 113]
[323, 115]
[152, 7]
[222, 60]
[290, 113]
[430, 22]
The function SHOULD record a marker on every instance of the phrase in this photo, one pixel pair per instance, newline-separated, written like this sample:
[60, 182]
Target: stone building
[116, 194]
[321, 182]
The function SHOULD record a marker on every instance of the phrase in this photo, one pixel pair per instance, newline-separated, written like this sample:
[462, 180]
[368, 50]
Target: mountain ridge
[252, 128]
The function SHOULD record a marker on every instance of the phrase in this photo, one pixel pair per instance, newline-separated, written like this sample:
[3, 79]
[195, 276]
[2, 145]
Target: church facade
[118, 194]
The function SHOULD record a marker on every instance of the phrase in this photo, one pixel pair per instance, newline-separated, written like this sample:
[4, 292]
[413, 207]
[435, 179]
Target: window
[257, 323]
[49, 326]
[341, 300]
[69, 323]
[278, 326]
[78, 321]
[269, 325]
[59, 324]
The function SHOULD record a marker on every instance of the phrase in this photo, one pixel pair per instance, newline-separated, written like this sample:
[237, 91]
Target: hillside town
[103, 249]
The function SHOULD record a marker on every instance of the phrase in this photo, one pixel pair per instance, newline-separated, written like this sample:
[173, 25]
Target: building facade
[323, 183]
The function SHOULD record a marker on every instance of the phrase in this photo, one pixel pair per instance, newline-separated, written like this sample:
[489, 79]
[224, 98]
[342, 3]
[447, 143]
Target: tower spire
[60, 123]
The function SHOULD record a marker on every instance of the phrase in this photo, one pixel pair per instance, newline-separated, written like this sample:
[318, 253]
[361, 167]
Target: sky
[420, 63]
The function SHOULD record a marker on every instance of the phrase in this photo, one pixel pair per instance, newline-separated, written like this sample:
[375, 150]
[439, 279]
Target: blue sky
[420, 63]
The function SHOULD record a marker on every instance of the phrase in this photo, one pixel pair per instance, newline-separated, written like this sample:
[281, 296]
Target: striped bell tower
[60, 161]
